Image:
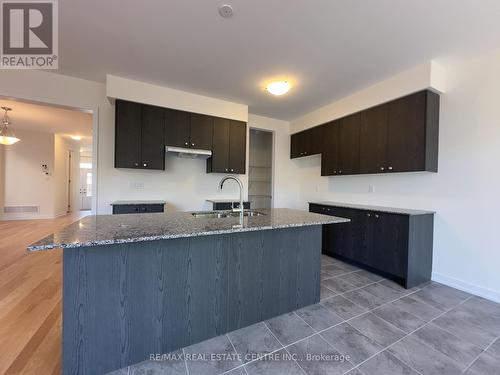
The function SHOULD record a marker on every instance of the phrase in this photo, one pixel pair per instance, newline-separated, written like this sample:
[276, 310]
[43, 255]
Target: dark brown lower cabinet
[397, 246]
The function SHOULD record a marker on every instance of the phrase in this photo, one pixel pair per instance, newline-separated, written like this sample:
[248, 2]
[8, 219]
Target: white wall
[62, 146]
[25, 184]
[465, 191]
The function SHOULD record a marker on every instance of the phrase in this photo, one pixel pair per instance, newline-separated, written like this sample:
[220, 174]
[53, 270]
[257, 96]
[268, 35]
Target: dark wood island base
[123, 302]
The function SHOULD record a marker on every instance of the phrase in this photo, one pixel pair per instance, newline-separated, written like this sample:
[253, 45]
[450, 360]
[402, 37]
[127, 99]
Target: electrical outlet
[371, 188]
[136, 185]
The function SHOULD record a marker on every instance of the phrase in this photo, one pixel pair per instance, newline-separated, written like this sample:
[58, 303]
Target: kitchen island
[134, 285]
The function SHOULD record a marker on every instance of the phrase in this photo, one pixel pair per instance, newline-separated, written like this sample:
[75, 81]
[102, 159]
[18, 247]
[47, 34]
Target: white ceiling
[328, 48]
[48, 119]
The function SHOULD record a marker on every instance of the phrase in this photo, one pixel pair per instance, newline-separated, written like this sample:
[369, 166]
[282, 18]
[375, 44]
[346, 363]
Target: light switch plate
[371, 188]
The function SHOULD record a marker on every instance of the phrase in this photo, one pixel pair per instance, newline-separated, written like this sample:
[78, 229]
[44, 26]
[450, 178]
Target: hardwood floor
[30, 298]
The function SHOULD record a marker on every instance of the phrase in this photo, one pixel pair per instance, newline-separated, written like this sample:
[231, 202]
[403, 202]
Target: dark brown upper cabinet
[177, 128]
[373, 139]
[307, 142]
[399, 136]
[139, 136]
[201, 131]
[229, 147]
[189, 130]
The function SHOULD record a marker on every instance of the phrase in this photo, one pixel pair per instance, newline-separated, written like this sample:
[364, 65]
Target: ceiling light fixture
[76, 137]
[7, 136]
[278, 87]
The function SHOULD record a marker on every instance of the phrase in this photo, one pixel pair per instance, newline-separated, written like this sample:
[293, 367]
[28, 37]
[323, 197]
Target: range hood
[192, 153]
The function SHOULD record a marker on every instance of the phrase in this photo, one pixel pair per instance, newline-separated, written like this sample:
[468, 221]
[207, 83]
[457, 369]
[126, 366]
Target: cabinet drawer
[137, 208]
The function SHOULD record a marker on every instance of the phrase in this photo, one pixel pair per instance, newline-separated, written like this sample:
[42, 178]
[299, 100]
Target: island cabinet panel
[123, 302]
[398, 136]
[177, 128]
[139, 136]
[397, 246]
[229, 147]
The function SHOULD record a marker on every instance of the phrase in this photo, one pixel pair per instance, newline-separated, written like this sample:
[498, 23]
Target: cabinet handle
[369, 215]
[389, 168]
[377, 216]
[382, 169]
[232, 170]
[305, 152]
[340, 172]
[334, 172]
[186, 143]
[136, 164]
[145, 165]
[192, 144]
[226, 169]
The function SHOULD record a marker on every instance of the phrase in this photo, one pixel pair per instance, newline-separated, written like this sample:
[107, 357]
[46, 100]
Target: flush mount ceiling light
[7, 136]
[76, 137]
[278, 87]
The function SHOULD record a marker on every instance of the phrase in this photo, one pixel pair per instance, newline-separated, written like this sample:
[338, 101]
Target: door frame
[273, 158]
[92, 110]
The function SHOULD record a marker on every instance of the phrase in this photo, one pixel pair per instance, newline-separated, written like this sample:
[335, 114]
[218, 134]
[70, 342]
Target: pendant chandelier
[7, 136]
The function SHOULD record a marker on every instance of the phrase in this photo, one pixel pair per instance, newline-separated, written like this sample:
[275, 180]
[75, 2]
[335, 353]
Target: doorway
[260, 177]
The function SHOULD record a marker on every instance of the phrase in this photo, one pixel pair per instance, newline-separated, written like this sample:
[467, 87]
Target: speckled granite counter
[113, 229]
[391, 210]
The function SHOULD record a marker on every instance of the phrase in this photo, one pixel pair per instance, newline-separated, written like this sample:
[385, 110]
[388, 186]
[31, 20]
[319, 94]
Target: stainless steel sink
[224, 214]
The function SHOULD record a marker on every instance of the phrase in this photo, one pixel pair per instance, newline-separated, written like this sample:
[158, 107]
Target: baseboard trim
[12, 217]
[493, 295]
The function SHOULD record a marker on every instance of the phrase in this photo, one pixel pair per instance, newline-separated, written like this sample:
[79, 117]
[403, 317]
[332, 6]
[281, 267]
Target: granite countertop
[392, 210]
[225, 200]
[112, 229]
[126, 203]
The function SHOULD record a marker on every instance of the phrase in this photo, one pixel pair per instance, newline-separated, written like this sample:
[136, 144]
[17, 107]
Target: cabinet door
[391, 243]
[177, 128]
[201, 131]
[349, 144]
[316, 140]
[119, 209]
[365, 247]
[342, 235]
[330, 155]
[294, 146]
[406, 134]
[152, 139]
[219, 162]
[237, 147]
[373, 139]
[127, 134]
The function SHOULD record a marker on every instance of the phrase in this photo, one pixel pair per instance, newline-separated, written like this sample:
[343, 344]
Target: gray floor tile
[440, 296]
[354, 371]
[326, 293]
[486, 364]
[450, 345]
[177, 367]
[370, 275]
[455, 323]
[392, 284]
[357, 279]
[419, 309]
[254, 341]
[482, 313]
[275, 364]
[319, 317]
[289, 328]
[385, 293]
[349, 341]
[423, 358]
[343, 307]
[237, 371]
[345, 266]
[332, 268]
[386, 364]
[315, 356]
[122, 371]
[325, 259]
[338, 284]
[377, 329]
[364, 298]
[204, 363]
[494, 349]
[399, 317]
[326, 275]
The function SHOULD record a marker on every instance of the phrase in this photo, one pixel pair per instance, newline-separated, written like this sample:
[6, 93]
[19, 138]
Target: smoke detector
[226, 11]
